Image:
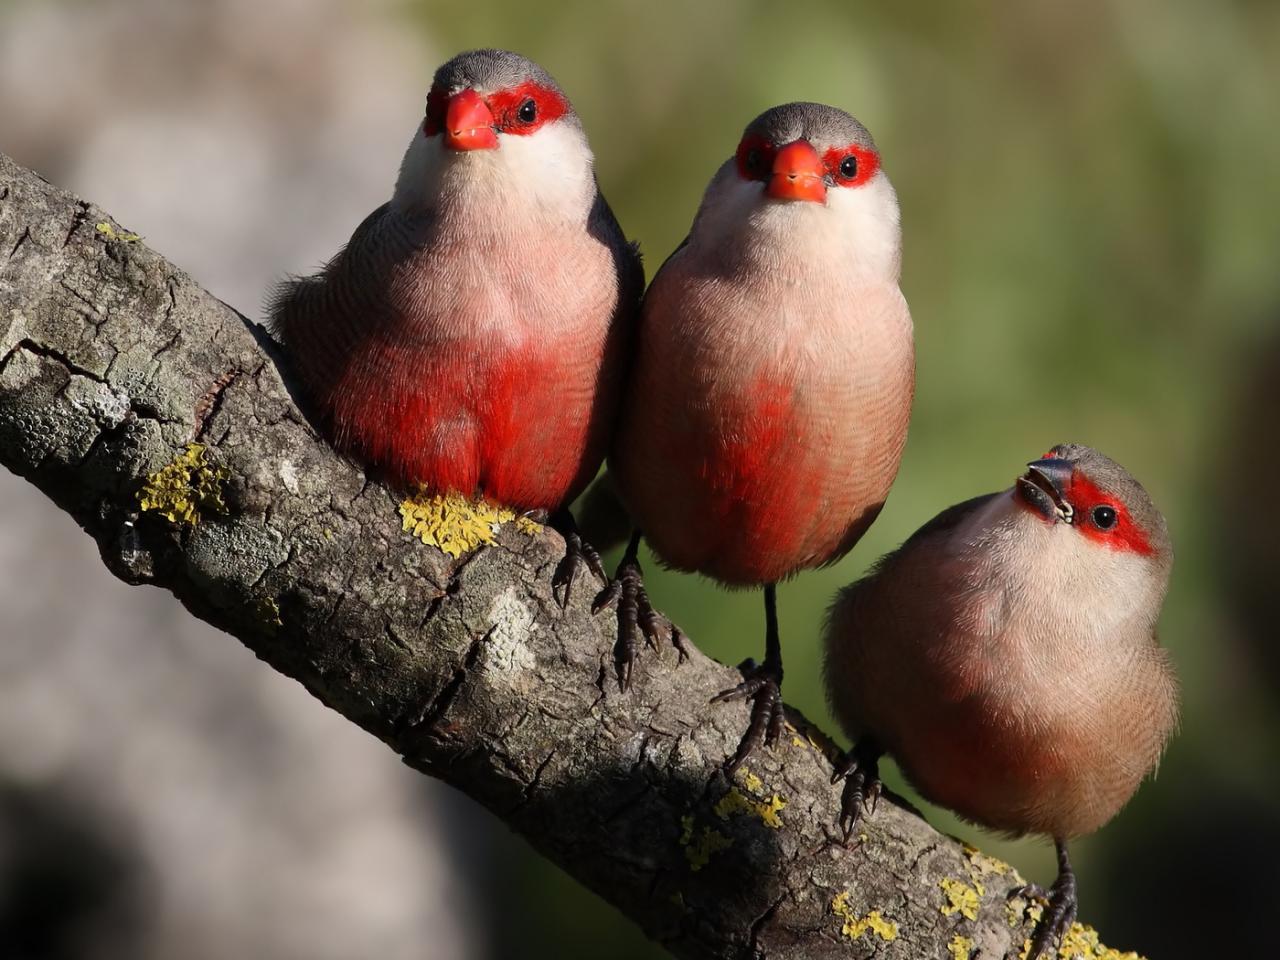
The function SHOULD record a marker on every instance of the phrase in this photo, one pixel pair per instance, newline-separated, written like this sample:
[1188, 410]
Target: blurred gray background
[1091, 204]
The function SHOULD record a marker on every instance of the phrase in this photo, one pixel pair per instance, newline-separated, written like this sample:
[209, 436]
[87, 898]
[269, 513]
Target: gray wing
[604, 226]
[294, 293]
[948, 519]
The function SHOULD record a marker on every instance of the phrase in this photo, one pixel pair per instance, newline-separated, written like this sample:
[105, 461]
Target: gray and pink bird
[472, 336]
[482, 334]
[1006, 657]
[768, 405]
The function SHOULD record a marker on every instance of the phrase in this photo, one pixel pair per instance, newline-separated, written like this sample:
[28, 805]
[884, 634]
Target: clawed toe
[860, 771]
[577, 555]
[763, 686]
[636, 617]
[1060, 913]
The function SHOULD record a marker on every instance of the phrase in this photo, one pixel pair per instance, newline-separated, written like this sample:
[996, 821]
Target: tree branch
[112, 362]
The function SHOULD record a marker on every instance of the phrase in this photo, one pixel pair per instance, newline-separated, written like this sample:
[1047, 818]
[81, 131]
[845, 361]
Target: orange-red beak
[798, 173]
[468, 123]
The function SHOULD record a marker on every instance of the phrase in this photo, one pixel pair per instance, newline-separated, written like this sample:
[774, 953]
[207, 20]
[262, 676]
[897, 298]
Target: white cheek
[869, 220]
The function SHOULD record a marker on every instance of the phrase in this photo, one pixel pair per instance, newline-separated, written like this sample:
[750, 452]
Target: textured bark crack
[23, 238]
[42, 350]
[470, 670]
[208, 405]
[80, 213]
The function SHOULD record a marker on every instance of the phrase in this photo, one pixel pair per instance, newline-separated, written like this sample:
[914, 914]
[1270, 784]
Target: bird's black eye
[849, 167]
[528, 112]
[753, 160]
[1104, 517]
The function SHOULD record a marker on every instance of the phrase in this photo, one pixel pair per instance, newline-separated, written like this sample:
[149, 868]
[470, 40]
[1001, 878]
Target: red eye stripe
[506, 104]
[1124, 535]
[757, 147]
[868, 164]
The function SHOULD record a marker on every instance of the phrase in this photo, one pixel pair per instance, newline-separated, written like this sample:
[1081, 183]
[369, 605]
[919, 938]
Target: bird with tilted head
[471, 337]
[767, 411]
[1006, 657]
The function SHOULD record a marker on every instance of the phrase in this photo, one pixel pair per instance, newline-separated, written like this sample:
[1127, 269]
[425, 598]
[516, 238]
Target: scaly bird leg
[577, 554]
[860, 771]
[763, 685]
[1060, 913]
[635, 614]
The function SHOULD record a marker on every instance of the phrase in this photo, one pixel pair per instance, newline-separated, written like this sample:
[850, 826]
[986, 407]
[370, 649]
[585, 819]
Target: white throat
[857, 230]
[545, 177]
[1059, 574]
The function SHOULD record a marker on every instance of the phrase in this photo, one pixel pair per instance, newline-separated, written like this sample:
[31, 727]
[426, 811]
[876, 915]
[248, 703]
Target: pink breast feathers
[513, 427]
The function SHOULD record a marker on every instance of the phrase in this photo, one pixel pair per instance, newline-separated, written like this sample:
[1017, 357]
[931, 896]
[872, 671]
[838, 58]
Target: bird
[767, 408]
[1006, 657]
[472, 336]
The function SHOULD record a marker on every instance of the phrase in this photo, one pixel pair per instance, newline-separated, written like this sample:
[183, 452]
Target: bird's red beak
[468, 123]
[798, 173]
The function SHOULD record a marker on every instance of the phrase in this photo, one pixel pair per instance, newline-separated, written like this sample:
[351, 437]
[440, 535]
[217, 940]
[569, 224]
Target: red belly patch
[761, 485]
[512, 426]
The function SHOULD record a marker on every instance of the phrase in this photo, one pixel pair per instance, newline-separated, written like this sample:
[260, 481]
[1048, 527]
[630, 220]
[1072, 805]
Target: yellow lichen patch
[528, 527]
[853, 926]
[1081, 943]
[961, 947]
[796, 741]
[699, 849]
[735, 802]
[187, 490]
[269, 612]
[732, 802]
[981, 864]
[768, 811]
[1019, 909]
[108, 231]
[456, 525]
[1015, 910]
[751, 781]
[961, 898]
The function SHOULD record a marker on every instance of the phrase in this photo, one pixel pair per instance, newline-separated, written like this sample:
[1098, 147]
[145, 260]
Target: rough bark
[112, 361]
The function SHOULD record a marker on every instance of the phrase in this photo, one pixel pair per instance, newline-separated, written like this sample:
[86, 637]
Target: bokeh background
[1091, 207]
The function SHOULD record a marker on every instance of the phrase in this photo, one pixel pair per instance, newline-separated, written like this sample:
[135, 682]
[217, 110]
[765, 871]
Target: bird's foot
[636, 617]
[1059, 913]
[763, 685]
[860, 771]
[577, 555]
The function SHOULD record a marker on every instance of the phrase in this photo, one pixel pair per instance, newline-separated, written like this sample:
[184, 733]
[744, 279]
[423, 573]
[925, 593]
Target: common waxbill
[471, 336]
[767, 411]
[1006, 657]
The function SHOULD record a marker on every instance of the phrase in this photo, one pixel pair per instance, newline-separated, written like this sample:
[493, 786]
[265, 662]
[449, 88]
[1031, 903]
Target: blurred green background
[1091, 211]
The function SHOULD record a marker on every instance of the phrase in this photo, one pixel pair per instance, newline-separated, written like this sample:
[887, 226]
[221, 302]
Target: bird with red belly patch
[471, 336]
[1006, 657]
[768, 407]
